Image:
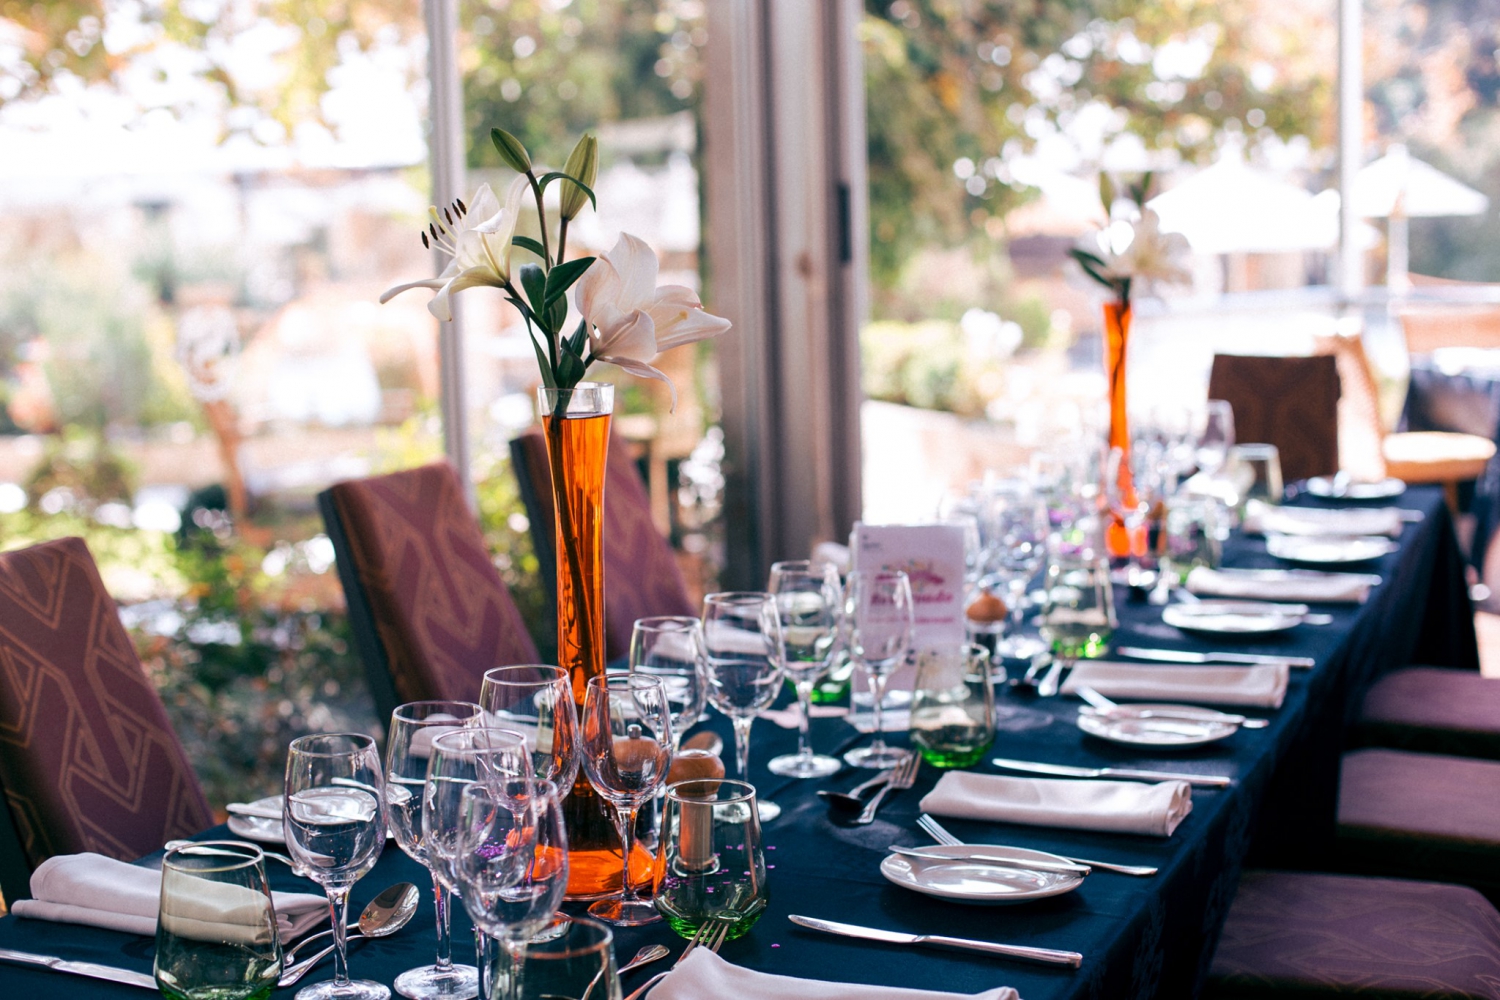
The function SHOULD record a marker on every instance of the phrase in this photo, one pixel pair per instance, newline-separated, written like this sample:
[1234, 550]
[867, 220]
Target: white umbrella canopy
[1400, 184]
[1232, 207]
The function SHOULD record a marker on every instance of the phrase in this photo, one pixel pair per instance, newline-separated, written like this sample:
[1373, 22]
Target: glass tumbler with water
[216, 933]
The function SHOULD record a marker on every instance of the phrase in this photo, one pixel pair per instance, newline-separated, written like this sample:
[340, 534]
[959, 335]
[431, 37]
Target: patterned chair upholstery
[1289, 402]
[641, 575]
[1301, 935]
[1420, 815]
[88, 758]
[429, 610]
[1434, 710]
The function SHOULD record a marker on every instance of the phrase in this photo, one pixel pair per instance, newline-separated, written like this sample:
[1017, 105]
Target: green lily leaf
[534, 282]
[579, 338]
[561, 277]
[558, 175]
[557, 313]
[541, 361]
[527, 243]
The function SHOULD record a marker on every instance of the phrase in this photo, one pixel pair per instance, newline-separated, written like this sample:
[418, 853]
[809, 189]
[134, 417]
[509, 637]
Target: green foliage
[927, 365]
[84, 469]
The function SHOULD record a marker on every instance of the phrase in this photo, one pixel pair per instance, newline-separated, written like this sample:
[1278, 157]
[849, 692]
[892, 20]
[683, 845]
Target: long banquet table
[1141, 937]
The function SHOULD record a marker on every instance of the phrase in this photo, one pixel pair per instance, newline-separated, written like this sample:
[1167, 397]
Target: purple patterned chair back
[412, 554]
[88, 758]
[1292, 403]
[641, 574]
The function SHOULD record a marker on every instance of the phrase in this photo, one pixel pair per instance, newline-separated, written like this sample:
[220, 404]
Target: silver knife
[1045, 955]
[89, 969]
[1189, 656]
[1129, 773]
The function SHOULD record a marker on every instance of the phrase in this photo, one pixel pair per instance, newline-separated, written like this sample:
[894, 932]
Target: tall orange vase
[576, 424]
[1116, 342]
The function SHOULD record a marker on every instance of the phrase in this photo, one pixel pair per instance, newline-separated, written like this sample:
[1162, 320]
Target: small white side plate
[975, 882]
[1329, 550]
[1233, 617]
[266, 831]
[1322, 486]
[1126, 725]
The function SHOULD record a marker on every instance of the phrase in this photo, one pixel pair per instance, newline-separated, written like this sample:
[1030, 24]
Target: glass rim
[361, 741]
[604, 942]
[660, 623]
[449, 740]
[399, 712]
[632, 679]
[880, 574]
[558, 674]
[219, 849]
[590, 385]
[734, 598]
[746, 795]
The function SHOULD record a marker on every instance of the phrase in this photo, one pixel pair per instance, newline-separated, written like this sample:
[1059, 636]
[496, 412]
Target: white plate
[1234, 617]
[974, 882]
[1329, 550]
[266, 831]
[1322, 486]
[1125, 725]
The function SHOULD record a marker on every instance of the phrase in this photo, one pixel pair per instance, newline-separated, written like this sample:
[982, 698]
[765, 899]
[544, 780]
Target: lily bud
[583, 163]
[511, 150]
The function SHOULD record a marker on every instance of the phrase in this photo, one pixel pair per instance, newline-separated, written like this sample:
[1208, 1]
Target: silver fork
[904, 775]
[710, 935]
[939, 833]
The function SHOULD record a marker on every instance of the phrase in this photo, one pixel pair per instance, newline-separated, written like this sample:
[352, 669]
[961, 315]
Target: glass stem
[877, 691]
[804, 699]
[440, 901]
[742, 745]
[482, 960]
[338, 912]
[627, 841]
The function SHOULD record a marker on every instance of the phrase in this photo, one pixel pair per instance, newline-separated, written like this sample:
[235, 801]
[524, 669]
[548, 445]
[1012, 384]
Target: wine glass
[879, 620]
[216, 929]
[408, 746]
[670, 648]
[536, 701]
[807, 600]
[334, 824]
[1136, 485]
[742, 637]
[1216, 436]
[1021, 528]
[514, 866]
[627, 749]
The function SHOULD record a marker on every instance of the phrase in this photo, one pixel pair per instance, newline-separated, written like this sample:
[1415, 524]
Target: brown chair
[429, 611]
[641, 575]
[1289, 402]
[1438, 710]
[88, 758]
[1307, 935]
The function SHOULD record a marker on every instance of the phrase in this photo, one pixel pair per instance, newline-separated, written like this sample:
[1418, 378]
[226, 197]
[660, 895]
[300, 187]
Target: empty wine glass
[1216, 436]
[879, 619]
[1018, 553]
[459, 760]
[408, 746]
[742, 639]
[807, 600]
[335, 823]
[670, 649]
[536, 701]
[627, 750]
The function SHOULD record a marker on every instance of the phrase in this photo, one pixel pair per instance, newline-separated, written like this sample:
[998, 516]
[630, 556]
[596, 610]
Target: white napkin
[1262, 518]
[1279, 585]
[705, 976]
[102, 892]
[1111, 806]
[1262, 686]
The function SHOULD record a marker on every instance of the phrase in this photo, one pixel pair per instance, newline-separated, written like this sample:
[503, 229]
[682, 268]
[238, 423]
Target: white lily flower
[1150, 253]
[631, 321]
[480, 252]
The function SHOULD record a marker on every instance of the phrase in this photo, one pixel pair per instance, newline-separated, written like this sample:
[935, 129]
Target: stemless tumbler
[216, 930]
[712, 868]
[953, 706]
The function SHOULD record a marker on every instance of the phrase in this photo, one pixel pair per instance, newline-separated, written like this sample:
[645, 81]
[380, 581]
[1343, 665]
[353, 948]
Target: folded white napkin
[1281, 585]
[102, 892]
[1262, 518]
[1262, 686]
[1111, 806]
[705, 976]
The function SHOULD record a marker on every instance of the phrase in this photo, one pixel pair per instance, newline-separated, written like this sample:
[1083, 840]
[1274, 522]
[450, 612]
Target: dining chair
[641, 574]
[1440, 710]
[1289, 402]
[1294, 934]
[429, 611]
[88, 758]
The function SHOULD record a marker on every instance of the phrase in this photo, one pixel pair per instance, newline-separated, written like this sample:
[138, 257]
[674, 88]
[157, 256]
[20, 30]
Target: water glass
[577, 963]
[1215, 436]
[216, 930]
[536, 700]
[1079, 615]
[1191, 536]
[408, 746]
[1020, 529]
[742, 637]
[807, 601]
[1262, 471]
[879, 621]
[670, 648]
[953, 706]
[712, 867]
[335, 825]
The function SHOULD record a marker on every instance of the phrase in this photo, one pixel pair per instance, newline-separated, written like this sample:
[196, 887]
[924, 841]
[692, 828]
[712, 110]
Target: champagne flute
[627, 750]
[742, 638]
[807, 600]
[536, 701]
[670, 648]
[408, 746]
[334, 824]
[879, 618]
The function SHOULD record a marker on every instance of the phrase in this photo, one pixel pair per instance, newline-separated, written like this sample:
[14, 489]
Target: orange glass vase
[576, 424]
[1116, 341]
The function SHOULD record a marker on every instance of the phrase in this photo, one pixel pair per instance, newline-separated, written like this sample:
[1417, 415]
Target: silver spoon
[382, 916]
[851, 799]
[645, 956]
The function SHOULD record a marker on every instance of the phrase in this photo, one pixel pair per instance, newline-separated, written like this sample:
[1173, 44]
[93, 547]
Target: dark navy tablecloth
[1141, 937]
